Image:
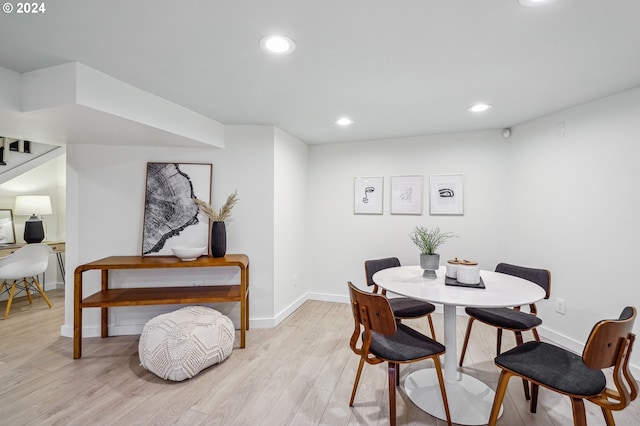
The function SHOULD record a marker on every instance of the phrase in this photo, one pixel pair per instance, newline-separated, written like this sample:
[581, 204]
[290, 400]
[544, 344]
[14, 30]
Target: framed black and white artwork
[447, 194]
[170, 215]
[406, 194]
[7, 229]
[367, 193]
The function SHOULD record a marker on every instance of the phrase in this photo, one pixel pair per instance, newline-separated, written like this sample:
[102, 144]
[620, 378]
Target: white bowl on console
[188, 253]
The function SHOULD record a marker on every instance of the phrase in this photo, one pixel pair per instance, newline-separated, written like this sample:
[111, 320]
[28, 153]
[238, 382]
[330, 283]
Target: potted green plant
[428, 241]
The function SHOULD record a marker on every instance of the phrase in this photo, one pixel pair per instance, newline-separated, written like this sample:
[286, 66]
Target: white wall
[291, 158]
[340, 241]
[574, 203]
[105, 203]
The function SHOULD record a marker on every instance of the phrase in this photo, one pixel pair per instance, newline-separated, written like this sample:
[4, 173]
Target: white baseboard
[324, 297]
[67, 330]
[96, 331]
[53, 286]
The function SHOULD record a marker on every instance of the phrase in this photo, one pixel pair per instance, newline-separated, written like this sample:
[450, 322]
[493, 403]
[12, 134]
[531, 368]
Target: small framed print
[406, 194]
[7, 229]
[367, 194]
[447, 194]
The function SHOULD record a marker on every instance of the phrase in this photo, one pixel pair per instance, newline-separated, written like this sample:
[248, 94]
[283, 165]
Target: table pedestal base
[470, 400]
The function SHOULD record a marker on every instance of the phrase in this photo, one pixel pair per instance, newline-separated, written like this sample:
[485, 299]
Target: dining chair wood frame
[403, 307]
[384, 339]
[579, 377]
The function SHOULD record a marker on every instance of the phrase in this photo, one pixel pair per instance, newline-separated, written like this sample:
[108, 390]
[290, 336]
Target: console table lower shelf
[121, 297]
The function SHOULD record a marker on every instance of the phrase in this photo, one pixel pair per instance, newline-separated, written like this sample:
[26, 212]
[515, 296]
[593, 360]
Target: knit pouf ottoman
[180, 344]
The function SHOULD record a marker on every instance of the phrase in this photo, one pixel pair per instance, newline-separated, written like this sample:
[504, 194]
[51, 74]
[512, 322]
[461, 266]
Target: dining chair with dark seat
[382, 339]
[579, 377]
[510, 318]
[403, 307]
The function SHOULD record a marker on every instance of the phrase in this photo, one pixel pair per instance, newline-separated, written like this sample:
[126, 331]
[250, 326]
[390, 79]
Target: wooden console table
[107, 298]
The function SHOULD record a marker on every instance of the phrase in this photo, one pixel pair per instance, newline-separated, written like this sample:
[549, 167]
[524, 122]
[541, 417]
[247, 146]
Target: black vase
[218, 239]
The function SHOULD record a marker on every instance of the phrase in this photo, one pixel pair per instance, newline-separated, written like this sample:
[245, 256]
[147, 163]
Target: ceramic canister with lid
[468, 272]
[452, 268]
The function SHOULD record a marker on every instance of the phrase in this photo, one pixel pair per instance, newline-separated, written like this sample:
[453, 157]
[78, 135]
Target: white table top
[501, 289]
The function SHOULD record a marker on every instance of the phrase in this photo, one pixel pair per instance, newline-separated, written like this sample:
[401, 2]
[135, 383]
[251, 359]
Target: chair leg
[499, 342]
[579, 415]
[466, 340]
[44, 295]
[355, 383]
[533, 405]
[26, 289]
[525, 388]
[392, 392]
[503, 381]
[11, 293]
[433, 330]
[608, 417]
[443, 390]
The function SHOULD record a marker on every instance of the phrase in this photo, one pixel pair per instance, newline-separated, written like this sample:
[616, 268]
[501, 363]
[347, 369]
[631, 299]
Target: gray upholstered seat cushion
[406, 345]
[553, 367]
[403, 307]
[505, 318]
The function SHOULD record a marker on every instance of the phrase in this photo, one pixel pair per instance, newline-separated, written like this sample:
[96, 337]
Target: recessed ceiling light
[479, 107]
[277, 44]
[532, 3]
[344, 121]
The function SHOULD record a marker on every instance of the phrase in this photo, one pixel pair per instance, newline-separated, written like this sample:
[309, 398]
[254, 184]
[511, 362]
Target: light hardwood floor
[299, 373]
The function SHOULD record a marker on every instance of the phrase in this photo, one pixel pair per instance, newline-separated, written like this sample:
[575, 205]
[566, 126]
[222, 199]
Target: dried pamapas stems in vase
[218, 229]
[225, 211]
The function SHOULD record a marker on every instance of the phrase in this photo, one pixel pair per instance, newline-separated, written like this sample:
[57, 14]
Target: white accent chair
[20, 270]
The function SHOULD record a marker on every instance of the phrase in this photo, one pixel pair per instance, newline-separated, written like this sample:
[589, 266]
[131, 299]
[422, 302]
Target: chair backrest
[28, 261]
[371, 311]
[542, 277]
[609, 345]
[605, 340]
[373, 266]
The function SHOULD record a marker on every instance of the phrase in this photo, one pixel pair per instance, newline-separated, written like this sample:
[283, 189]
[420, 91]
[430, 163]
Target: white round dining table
[470, 399]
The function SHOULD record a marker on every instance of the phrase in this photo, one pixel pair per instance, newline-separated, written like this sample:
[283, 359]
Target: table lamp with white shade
[34, 206]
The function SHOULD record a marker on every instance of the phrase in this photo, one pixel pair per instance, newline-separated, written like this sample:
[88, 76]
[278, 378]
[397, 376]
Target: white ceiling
[398, 68]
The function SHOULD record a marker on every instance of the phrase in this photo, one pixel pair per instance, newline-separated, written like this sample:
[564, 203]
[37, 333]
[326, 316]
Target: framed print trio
[446, 195]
